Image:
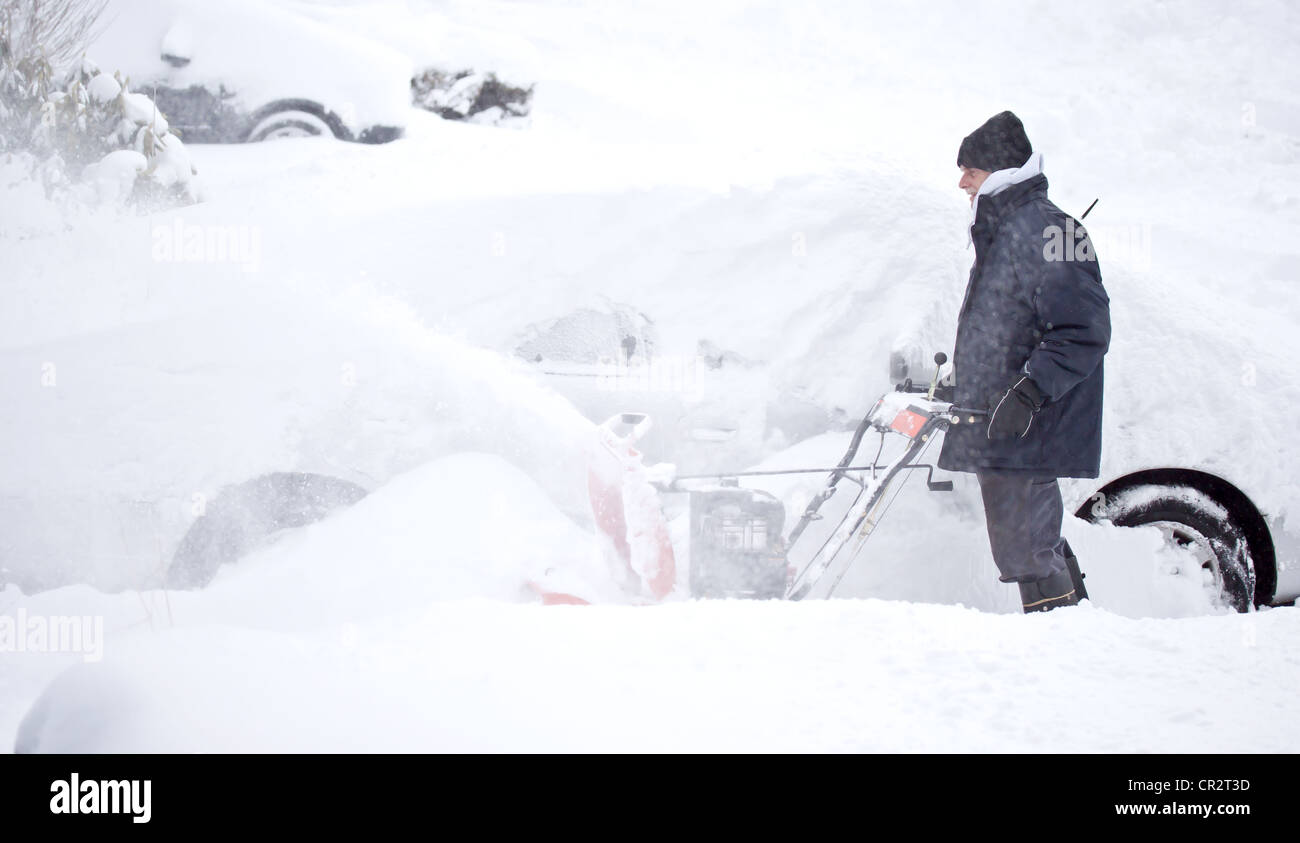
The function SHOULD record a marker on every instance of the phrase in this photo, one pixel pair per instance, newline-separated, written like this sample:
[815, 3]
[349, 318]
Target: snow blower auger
[639, 567]
[737, 548]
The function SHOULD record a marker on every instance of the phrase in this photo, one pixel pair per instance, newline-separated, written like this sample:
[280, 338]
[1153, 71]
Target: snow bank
[463, 526]
[841, 676]
[113, 177]
[202, 375]
[467, 526]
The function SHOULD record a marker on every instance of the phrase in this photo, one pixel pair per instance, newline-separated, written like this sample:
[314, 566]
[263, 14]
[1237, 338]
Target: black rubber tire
[1171, 505]
[245, 516]
[302, 129]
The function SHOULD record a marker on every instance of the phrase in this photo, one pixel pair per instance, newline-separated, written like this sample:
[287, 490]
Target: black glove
[1011, 413]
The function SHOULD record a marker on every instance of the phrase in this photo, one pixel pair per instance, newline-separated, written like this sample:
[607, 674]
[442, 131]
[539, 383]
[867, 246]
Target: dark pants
[1023, 514]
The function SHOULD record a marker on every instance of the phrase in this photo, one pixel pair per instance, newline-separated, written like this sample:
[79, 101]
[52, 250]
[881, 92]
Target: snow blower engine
[736, 546]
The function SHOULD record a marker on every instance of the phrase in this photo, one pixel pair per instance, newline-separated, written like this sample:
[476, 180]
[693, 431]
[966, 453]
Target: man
[1032, 331]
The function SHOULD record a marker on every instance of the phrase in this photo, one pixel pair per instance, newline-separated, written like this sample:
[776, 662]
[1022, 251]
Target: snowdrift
[730, 676]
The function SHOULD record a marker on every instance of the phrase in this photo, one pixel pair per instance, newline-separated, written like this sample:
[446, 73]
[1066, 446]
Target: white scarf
[1000, 180]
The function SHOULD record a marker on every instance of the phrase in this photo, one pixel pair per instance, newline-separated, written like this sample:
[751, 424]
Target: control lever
[939, 359]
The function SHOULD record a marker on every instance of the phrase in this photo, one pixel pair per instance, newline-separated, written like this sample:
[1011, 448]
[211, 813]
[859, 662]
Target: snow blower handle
[966, 415]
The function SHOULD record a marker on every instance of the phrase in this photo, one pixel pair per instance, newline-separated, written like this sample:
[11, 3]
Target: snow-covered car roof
[260, 53]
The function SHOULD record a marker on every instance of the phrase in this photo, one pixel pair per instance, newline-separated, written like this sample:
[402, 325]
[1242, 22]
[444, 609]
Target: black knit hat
[1000, 144]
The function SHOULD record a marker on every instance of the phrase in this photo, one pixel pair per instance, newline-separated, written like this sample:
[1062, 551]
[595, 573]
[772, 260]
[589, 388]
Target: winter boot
[1048, 593]
[1072, 565]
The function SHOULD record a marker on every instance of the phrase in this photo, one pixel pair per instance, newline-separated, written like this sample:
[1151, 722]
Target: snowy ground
[775, 179]
[855, 675]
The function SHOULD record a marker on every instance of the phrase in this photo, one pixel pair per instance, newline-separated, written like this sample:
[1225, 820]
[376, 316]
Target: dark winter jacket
[1034, 305]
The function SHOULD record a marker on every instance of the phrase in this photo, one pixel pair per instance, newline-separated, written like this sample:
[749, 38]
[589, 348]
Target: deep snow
[775, 179]
[860, 675]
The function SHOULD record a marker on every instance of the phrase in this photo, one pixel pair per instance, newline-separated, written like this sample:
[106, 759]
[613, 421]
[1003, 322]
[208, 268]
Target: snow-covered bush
[82, 135]
[466, 95]
[55, 30]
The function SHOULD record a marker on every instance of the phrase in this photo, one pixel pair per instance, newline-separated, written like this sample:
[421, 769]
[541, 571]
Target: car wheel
[1201, 529]
[289, 124]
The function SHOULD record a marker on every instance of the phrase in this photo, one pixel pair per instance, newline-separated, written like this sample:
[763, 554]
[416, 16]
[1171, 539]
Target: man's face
[971, 179]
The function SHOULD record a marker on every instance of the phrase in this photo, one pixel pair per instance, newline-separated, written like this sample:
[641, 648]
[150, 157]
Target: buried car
[241, 71]
[150, 454]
